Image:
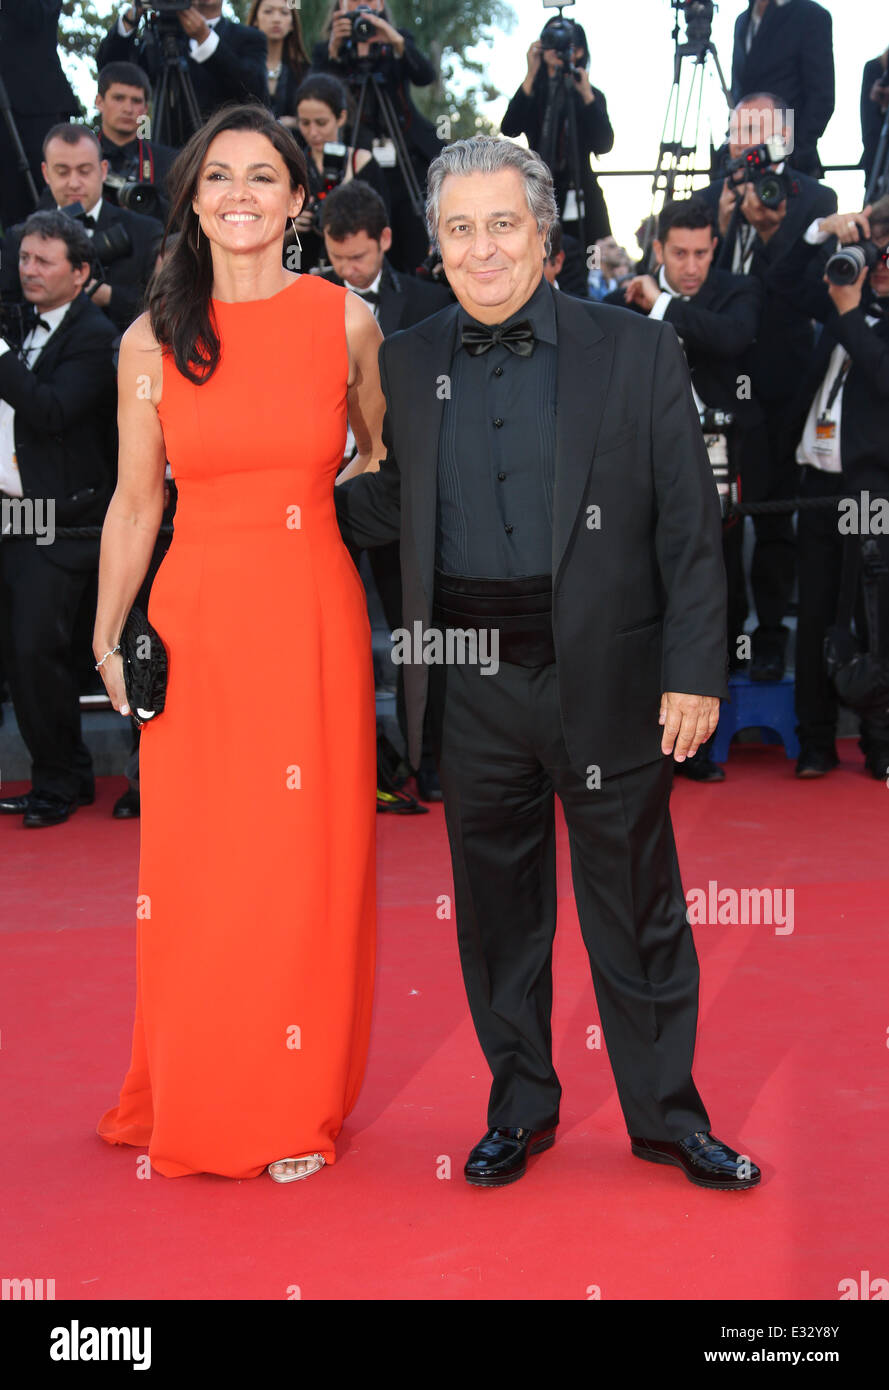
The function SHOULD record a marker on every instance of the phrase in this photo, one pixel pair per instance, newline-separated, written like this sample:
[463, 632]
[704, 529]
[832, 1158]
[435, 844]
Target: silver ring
[850, 223]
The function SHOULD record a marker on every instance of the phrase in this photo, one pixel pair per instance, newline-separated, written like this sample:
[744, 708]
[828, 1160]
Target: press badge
[825, 433]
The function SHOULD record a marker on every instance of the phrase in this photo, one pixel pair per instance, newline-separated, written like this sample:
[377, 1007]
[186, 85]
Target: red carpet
[792, 1063]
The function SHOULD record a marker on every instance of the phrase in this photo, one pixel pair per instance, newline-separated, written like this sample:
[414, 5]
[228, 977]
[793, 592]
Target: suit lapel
[391, 307]
[585, 356]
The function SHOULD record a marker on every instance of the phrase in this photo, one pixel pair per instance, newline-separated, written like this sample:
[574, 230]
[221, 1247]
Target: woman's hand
[111, 672]
[535, 58]
[340, 30]
[388, 33]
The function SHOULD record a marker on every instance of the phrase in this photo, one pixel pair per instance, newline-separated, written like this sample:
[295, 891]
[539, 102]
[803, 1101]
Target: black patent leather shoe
[18, 805]
[126, 807]
[47, 810]
[502, 1156]
[698, 769]
[704, 1160]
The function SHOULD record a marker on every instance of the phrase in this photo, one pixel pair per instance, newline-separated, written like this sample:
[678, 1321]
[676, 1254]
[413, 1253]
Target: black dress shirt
[496, 453]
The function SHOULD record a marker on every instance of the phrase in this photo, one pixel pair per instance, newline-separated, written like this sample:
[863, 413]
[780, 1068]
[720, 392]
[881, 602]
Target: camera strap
[146, 162]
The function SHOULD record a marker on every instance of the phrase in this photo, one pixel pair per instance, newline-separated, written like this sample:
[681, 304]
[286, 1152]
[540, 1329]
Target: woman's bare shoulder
[139, 337]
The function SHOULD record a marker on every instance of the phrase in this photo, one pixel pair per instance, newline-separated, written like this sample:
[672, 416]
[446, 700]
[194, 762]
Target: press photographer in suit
[716, 315]
[58, 450]
[786, 47]
[754, 241]
[125, 244]
[546, 473]
[225, 60]
[39, 95]
[122, 100]
[839, 426]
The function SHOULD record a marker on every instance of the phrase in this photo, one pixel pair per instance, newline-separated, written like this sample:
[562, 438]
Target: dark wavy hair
[179, 294]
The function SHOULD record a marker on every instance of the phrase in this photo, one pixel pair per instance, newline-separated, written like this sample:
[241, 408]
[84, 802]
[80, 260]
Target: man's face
[358, 258]
[879, 276]
[48, 277]
[491, 247]
[75, 173]
[753, 123]
[121, 108]
[209, 9]
[686, 255]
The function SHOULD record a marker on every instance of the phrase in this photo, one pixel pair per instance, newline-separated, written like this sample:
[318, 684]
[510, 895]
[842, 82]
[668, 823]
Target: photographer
[716, 315]
[137, 167]
[394, 59]
[786, 46]
[125, 244]
[225, 60]
[287, 62]
[58, 447]
[840, 424]
[322, 117]
[540, 111]
[874, 105]
[39, 95]
[755, 238]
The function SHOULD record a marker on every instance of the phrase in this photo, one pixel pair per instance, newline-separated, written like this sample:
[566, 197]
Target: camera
[167, 6]
[137, 195]
[363, 30]
[698, 19]
[847, 263]
[756, 167]
[716, 426]
[560, 35]
[330, 177]
[110, 244]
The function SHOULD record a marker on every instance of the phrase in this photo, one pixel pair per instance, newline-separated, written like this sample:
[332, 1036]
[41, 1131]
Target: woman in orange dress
[256, 908]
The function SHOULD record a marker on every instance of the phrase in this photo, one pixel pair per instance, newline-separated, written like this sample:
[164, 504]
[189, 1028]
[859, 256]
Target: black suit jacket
[783, 348]
[792, 56]
[404, 300]
[235, 72]
[29, 59]
[127, 276]
[639, 586]
[872, 117]
[65, 424]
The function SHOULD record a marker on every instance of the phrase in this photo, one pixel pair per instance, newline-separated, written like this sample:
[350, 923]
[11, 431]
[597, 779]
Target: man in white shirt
[57, 466]
[842, 427]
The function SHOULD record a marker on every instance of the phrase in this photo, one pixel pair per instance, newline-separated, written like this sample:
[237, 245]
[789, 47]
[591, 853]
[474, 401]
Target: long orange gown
[257, 898]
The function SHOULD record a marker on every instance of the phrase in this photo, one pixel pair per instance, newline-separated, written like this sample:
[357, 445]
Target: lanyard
[837, 385]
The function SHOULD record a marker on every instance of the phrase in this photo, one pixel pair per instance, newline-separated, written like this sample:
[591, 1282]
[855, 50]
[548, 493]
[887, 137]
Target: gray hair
[488, 154]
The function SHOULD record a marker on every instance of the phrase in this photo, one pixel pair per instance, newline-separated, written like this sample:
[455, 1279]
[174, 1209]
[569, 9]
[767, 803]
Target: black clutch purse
[144, 668]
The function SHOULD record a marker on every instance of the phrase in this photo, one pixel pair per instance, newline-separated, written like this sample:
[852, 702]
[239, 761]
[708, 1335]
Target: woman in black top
[543, 91]
[400, 64]
[322, 119]
[288, 61]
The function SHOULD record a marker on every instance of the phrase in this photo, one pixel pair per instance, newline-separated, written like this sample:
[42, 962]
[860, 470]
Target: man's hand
[643, 290]
[194, 24]
[727, 200]
[99, 293]
[535, 58]
[847, 297]
[387, 32]
[847, 227]
[688, 721]
[340, 30]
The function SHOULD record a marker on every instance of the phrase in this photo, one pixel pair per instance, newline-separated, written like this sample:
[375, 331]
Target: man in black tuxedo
[225, 60]
[786, 47]
[754, 241]
[58, 449]
[716, 315]
[839, 426]
[39, 94]
[357, 237]
[75, 171]
[564, 617]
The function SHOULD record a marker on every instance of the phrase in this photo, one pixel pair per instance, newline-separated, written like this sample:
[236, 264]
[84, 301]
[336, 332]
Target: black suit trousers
[39, 601]
[502, 760]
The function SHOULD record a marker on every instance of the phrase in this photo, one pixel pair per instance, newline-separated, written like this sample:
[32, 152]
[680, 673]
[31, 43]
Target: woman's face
[274, 18]
[317, 123]
[243, 195]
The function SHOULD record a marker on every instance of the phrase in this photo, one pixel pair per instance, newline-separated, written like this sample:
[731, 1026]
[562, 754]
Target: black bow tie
[86, 220]
[41, 323]
[519, 338]
[369, 296]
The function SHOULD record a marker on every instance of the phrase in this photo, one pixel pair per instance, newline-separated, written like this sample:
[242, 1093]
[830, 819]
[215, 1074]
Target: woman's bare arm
[136, 507]
[367, 404]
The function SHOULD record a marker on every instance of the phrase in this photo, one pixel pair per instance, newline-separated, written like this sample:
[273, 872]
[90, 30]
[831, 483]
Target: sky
[631, 50]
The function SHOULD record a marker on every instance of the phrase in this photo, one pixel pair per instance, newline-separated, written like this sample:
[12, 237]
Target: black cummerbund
[520, 610]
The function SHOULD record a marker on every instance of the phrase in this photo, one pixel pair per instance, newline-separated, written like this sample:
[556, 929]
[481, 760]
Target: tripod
[676, 148]
[176, 112]
[370, 86]
[15, 140]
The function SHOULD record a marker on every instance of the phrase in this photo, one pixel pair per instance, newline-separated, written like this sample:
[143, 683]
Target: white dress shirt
[199, 51]
[820, 442]
[35, 341]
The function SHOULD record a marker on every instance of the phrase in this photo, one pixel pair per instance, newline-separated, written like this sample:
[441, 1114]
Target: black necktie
[85, 220]
[518, 337]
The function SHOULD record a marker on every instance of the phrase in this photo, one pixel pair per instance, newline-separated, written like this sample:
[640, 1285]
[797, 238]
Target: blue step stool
[767, 705]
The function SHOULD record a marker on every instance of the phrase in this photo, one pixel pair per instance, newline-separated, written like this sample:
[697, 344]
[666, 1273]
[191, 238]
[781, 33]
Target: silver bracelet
[106, 656]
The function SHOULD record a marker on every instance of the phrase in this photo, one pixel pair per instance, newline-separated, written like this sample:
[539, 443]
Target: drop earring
[296, 234]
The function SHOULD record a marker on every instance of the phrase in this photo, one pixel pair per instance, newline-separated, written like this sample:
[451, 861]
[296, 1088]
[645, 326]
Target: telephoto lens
[846, 264]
